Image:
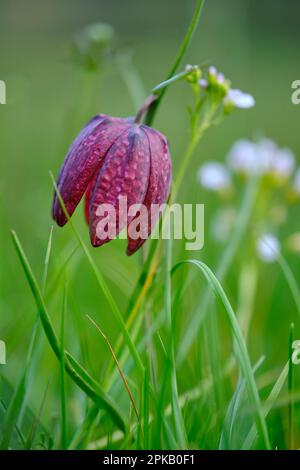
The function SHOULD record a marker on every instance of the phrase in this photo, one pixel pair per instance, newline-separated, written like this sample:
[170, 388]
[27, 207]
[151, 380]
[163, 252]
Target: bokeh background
[256, 43]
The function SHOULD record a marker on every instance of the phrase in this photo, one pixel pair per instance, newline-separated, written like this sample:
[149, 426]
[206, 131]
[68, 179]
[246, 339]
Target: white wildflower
[239, 99]
[244, 158]
[214, 176]
[283, 163]
[268, 248]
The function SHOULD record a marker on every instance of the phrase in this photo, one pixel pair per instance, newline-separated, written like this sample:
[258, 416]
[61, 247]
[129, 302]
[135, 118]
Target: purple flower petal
[84, 158]
[159, 182]
[125, 172]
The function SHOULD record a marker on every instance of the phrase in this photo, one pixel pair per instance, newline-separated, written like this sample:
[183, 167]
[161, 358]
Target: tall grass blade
[62, 373]
[222, 269]
[36, 420]
[178, 59]
[15, 407]
[178, 420]
[76, 372]
[290, 390]
[226, 439]
[240, 346]
[268, 405]
[101, 281]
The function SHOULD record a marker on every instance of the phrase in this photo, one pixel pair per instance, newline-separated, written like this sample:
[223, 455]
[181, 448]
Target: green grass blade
[146, 411]
[62, 373]
[84, 428]
[101, 282]
[42, 310]
[12, 413]
[232, 411]
[178, 59]
[240, 346]
[93, 389]
[47, 260]
[18, 431]
[36, 420]
[178, 420]
[291, 281]
[290, 390]
[76, 372]
[268, 405]
[227, 258]
[15, 407]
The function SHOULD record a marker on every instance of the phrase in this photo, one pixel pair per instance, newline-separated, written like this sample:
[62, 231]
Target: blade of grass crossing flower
[76, 372]
[101, 281]
[142, 286]
[240, 349]
[62, 372]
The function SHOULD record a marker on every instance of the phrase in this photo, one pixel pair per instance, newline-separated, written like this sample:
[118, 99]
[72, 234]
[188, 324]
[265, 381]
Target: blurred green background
[256, 43]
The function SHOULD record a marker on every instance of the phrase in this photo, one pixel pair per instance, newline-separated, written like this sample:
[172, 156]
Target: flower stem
[157, 89]
[178, 59]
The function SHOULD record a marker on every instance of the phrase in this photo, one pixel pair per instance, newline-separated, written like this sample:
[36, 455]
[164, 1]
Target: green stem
[178, 59]
[62, 373]
[183, 167]
[175, 78]
[197, 134]
[290, 389]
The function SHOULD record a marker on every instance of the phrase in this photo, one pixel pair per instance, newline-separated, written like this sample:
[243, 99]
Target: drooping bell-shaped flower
[113, 158]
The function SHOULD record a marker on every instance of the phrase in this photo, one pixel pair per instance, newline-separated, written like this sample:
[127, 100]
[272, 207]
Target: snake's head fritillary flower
[111, 158]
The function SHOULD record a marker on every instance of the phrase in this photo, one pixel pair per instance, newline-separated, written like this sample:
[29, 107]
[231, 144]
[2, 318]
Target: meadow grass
[173, 352]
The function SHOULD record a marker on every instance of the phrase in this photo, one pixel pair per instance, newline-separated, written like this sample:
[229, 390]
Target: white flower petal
[239, 99]
[244, 158]
[267, 150]
[214, 176]
[283, 163]
[268, 248]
